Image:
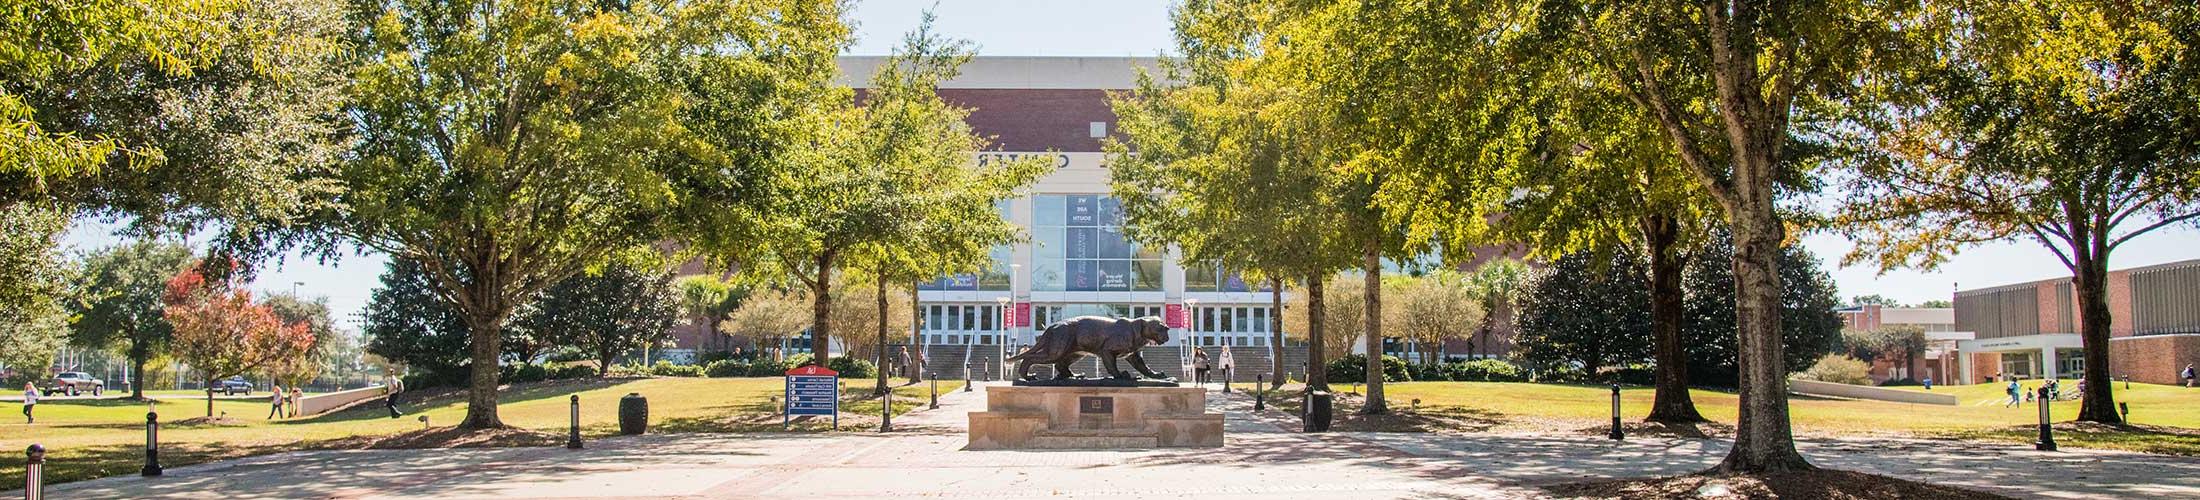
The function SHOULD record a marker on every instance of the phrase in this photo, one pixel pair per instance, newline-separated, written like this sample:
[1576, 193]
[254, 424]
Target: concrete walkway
[924, 459]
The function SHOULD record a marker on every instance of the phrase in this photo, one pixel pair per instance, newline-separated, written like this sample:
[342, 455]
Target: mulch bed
[221, 421]
[1814, 484]
[1697, 430]
[451, 437]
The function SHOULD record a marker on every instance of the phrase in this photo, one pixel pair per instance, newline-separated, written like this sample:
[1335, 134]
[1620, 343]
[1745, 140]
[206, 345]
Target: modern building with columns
[2030, 330]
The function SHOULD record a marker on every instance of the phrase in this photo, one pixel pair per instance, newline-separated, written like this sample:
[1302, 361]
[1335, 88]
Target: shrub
[1483, 370]
[852, 368]
[667, 369]
[626, 370]
[768, 368]
[524, 373]
[572, 372]
[726, 368]
[1351, 367]
[1633, 375]
[1426, 371]
[1892, 382]
[713, 357]
[1838, 369]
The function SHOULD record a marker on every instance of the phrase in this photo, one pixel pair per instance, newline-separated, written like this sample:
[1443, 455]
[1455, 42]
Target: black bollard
[2127, 382]
[2126, 410]
[1260, 398]
[2047, 426]
[886, 413]
[1616, 434]
[152, 445]
[573, 430]
[967, 381]
[34, 473]
[935, 391]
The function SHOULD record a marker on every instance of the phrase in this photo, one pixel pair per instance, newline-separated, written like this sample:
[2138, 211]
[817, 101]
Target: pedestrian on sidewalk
[1199, 366]
[30, 399]
[2013, 398]
[1225, 364]
[391, 386]
[275, 403]
[296, 395]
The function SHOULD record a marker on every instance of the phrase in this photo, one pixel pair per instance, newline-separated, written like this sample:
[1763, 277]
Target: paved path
[925, 459]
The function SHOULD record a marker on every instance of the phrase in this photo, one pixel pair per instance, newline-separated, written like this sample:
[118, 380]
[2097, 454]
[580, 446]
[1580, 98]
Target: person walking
[296, 394]
[1224, 363]
[30, 399]
[275, 402]
[2188, 374]
[391, 386]
[1199, 366]
[2014, 399]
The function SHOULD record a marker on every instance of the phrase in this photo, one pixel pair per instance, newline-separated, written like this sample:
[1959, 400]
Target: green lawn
[1543, 407]
[96, 438]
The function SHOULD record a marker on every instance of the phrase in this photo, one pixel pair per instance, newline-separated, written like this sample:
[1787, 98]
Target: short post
[967, 380]
[2127, 381]
[34, 478]
[573, 429]
[935, 391]
[886, 413]
[152, 445]
[1260, 394]
[2125, 409]
[1616, 434]
[2047, 427]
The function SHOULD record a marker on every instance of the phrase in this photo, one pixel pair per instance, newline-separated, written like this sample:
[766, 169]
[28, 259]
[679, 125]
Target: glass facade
[1080, 247]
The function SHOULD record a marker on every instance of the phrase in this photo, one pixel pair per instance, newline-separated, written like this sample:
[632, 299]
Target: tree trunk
[916, 320]
[882, 360]
[1317, 367]
[209, 397]
[1275, 333]
[1372, 266]
[1672, 403]
[481, 389]
[2091, 282]
[821, 309]
[1763, 440]
[137, 369]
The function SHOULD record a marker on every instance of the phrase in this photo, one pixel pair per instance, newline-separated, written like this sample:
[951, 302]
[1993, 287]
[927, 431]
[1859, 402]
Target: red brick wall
[2050, 312]
[1036, 119]
[1984, 366]
[2119, 304]
[2153, 359]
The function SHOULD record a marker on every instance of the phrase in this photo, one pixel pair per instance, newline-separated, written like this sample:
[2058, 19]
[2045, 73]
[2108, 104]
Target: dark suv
[232, 386]
[73, 383]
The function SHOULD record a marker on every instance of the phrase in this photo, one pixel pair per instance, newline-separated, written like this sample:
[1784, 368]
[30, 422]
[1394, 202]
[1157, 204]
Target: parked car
[73, 383]
[232, 386]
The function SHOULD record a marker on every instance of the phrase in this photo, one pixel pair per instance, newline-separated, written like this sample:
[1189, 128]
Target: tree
[407, 323]
[2067, 123]
[1809, 328]
[221, 333]
[1499, 285]
[1907, 341]
[120, 303]
[518, 145]
[33, 319]
[1936, 303]
[293, 310]
[1587, 313]
[1341, 316]
[1434, 308]
[857, 313]
[620, 308]
[885, 183]
[770, 316]
[706, 299]
[1873, 300]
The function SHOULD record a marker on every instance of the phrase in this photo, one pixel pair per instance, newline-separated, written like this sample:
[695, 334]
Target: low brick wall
[1817, 388]
[2152, 359]
[323, 403]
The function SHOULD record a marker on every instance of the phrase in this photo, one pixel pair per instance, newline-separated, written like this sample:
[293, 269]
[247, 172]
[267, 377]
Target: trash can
[1316, 411]
[633, 414]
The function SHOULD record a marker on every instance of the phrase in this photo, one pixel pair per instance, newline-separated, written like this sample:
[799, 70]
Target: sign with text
[812, 390]
[1023, 314]
[1172, 315]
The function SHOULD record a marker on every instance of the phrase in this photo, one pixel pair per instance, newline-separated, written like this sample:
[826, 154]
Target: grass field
[1546, 407]
[96, 438]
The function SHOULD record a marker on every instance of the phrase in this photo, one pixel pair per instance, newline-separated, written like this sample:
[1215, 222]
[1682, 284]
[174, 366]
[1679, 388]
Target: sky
[1141, 28]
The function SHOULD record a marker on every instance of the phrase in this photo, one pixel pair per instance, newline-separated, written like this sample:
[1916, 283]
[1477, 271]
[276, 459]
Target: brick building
[2030, 330]
[1938, 323]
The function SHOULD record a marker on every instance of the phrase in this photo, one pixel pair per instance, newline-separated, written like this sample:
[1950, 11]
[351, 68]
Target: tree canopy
[119, 301]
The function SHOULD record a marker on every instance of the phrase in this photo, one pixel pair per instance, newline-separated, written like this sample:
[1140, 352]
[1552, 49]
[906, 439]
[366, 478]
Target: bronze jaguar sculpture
[1109, 338]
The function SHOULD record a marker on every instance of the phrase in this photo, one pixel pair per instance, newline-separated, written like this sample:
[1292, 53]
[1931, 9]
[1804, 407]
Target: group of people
[279, 400]
[1200, 365]
[2018, 395]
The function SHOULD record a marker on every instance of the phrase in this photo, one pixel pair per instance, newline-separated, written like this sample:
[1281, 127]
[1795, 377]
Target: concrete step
[1093, 442]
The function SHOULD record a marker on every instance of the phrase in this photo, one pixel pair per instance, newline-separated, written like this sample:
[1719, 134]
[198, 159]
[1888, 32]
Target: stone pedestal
[1094, 418]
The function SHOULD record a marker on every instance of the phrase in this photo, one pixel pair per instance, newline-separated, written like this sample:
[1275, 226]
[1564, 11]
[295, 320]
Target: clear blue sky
[1141, 28]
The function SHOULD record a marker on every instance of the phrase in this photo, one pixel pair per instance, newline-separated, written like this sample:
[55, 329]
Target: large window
[1081, 248]
[994, 277]
[1212, 278]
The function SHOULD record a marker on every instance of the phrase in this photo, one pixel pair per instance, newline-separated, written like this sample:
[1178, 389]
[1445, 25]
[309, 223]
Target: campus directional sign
[812, 390]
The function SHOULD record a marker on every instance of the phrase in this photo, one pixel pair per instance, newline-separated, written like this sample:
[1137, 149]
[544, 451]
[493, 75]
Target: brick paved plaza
[1261, 460]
